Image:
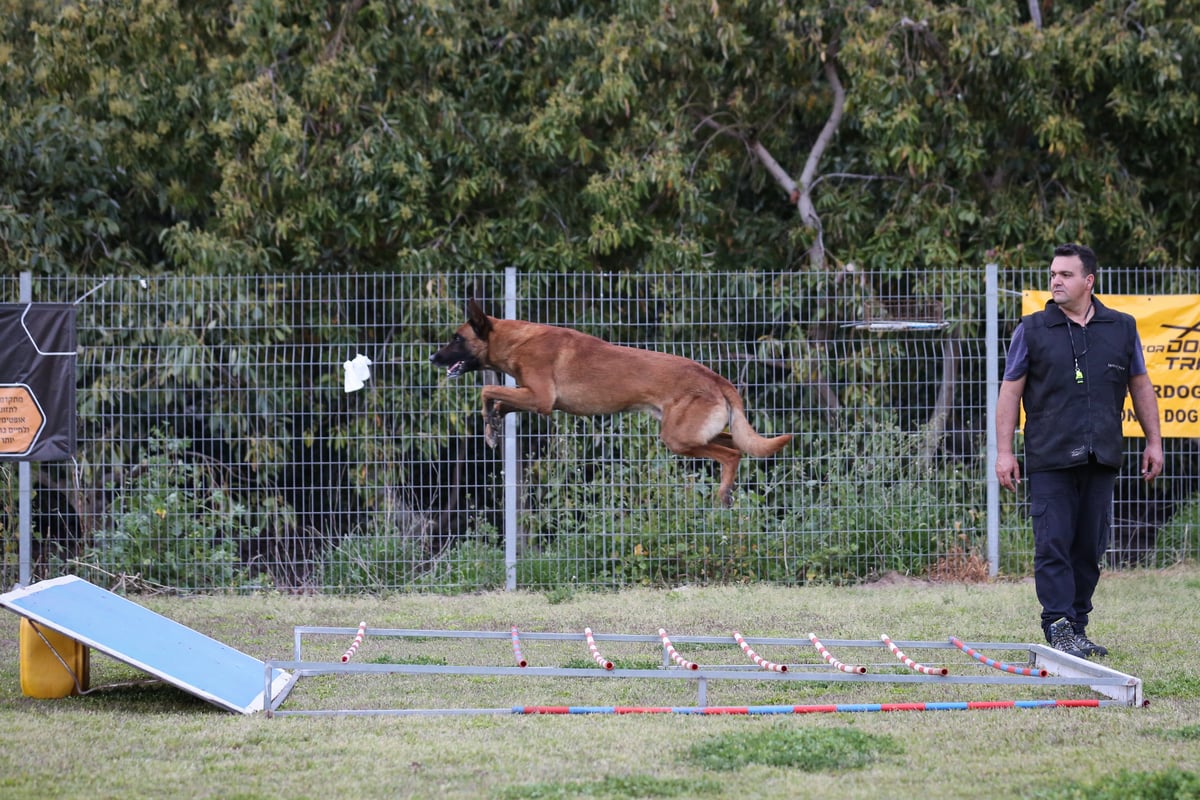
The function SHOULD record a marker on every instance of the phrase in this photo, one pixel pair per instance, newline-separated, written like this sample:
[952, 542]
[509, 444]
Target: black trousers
[1072, 515]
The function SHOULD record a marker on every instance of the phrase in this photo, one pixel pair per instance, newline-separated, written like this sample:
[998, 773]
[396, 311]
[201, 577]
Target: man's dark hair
[1086, 256]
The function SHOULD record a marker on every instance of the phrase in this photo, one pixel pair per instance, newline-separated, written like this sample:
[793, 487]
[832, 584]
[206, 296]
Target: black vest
[1068, 419]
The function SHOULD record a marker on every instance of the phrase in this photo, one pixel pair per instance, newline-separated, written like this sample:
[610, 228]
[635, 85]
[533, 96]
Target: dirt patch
[893, 578]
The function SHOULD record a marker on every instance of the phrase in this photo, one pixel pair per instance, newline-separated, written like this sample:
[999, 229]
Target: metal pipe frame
[1063, 670]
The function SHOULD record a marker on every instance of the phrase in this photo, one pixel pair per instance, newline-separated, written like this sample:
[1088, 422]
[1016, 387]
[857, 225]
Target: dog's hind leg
[729, 460]
[697, 432]
[727, 457]
[724, 439]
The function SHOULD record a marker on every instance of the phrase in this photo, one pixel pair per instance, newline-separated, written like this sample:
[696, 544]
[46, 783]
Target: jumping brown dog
[560, 368]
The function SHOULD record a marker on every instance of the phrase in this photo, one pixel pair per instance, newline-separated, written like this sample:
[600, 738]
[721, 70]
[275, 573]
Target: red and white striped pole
[833, 662]
[362, 630]
[908, 662]
[591, 643]
[678, 659]
[762, 662]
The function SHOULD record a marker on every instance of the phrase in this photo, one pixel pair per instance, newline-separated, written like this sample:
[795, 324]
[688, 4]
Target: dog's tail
[744, 437]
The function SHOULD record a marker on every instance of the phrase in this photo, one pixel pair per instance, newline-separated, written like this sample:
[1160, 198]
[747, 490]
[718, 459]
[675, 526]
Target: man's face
[1068, 283]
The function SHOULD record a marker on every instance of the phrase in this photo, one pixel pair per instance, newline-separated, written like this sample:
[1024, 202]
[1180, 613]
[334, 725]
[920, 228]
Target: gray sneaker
[1062, 638]
[1086, 645]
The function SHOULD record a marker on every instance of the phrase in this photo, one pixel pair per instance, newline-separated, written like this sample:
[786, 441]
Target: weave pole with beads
[591, 643]
[516, 644]
[770, 666]
[833, 662]
[1000, 665]
[362, 631]
[670, 648]
[908, 662]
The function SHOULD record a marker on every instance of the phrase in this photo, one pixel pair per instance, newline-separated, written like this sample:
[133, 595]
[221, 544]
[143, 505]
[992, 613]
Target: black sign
[37, 381]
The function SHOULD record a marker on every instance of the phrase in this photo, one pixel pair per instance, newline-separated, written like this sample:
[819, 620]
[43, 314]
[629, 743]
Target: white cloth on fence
[358, 371]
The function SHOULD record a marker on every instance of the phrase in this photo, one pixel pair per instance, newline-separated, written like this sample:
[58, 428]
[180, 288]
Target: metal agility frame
[1044, 667]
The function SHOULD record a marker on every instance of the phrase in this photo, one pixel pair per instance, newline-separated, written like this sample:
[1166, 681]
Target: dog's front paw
[493, 427]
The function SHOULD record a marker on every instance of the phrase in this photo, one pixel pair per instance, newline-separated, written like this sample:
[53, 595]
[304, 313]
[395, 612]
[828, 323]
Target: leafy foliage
[177, 527]
[666, 532]
[574, 136]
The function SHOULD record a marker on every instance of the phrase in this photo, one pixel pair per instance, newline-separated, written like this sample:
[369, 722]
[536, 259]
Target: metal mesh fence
[219, 450]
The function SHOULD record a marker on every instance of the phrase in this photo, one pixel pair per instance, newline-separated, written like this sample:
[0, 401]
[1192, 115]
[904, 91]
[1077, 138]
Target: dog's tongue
[455, 369]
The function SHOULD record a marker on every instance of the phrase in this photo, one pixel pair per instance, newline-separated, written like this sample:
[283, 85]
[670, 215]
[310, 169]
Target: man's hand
[1152, 462]
[1008, 408]
[1008, 471]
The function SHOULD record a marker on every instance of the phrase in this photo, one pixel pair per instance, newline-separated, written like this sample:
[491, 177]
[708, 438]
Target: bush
[172, 524]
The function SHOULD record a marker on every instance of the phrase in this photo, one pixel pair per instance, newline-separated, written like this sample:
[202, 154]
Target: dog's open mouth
[456, 369]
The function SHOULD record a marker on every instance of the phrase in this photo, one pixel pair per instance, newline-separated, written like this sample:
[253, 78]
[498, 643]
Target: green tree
[572, 135]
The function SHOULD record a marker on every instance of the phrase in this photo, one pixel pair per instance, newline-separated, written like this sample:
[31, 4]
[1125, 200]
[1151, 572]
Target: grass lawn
[151, 740]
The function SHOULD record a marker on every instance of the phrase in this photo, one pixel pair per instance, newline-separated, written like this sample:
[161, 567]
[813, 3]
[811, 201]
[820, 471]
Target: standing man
[1071, 365]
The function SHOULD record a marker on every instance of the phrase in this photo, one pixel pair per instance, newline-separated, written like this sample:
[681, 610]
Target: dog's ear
[480, 323]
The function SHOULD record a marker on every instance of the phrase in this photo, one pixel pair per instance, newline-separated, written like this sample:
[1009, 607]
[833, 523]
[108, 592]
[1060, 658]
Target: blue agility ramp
[136, 636]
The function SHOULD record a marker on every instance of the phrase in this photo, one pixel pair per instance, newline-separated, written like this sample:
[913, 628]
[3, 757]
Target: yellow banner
[1169, 326]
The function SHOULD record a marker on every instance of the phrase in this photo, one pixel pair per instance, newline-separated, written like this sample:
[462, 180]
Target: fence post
[992, 335]
[25, 483]
[511, 476]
